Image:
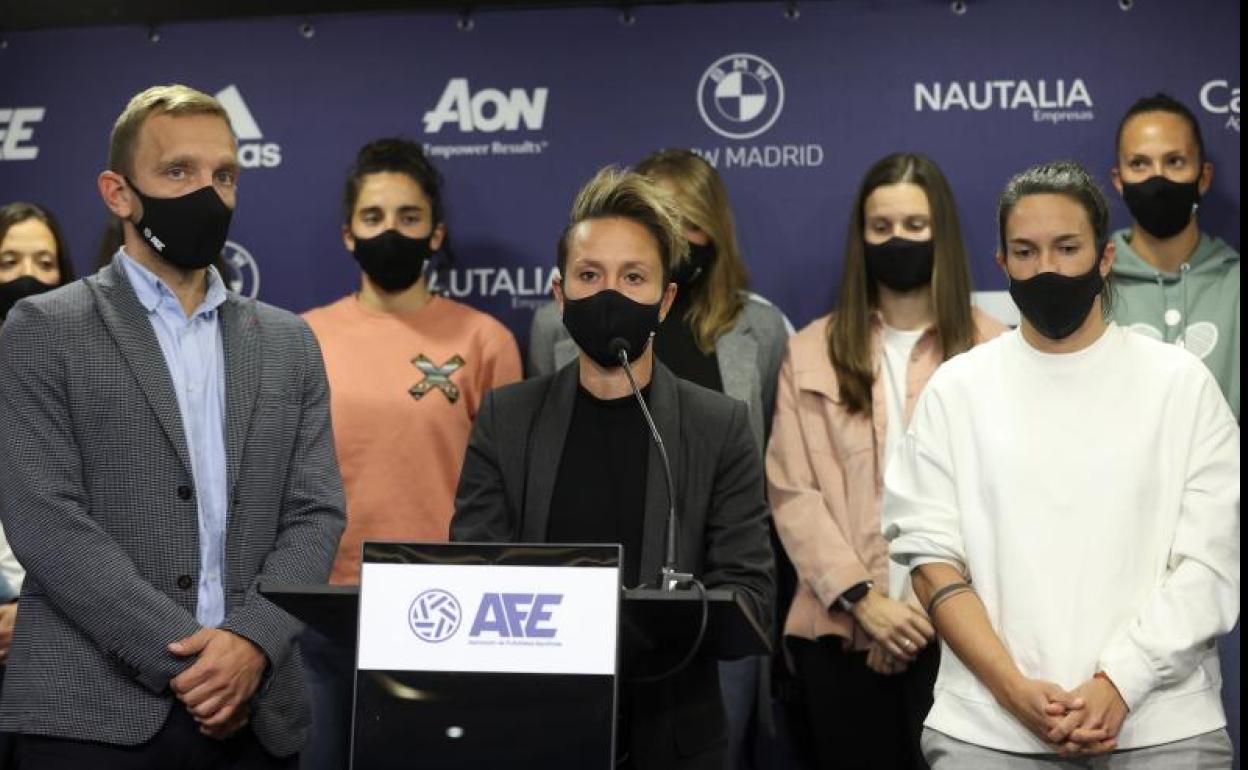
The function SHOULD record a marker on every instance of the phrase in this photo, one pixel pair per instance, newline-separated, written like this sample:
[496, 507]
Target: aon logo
[487, 110]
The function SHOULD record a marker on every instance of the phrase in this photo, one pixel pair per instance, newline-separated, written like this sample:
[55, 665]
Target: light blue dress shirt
[196, 358]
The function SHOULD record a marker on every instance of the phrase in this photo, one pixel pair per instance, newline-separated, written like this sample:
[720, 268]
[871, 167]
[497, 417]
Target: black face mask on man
[188, 231]
[1161, 206]
[393, 261]
[596, 321]
[1054, 304]
[696, 266]
[900, 263]
[20, 288]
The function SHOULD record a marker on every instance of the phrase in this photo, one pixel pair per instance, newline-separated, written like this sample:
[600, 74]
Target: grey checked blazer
[96, 496]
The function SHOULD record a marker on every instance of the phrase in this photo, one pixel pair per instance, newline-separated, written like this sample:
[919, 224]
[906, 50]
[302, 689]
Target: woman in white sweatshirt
[1067, 497]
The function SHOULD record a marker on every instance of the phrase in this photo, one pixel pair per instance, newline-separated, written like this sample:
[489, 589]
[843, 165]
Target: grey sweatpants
[1210, 751]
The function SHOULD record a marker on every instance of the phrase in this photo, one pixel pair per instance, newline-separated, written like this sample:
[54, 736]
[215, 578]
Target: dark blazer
[505, 492]
[94, 474]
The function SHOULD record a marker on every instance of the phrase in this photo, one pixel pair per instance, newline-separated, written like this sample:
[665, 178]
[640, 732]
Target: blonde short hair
[616, 193]
[157, 100]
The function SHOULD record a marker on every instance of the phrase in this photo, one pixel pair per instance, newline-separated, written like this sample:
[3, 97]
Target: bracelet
[944, 592]
[946, 597]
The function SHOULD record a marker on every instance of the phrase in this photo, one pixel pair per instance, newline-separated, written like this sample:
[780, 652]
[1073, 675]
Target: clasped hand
[218, 686]
[1081, 722]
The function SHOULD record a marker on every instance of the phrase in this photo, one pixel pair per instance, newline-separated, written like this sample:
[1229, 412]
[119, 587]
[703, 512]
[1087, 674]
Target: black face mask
[696, 267]
[900, 263]
[599, 319]
[12, 291]
[189, 231]
[1162, 207]
[1056, 305]
[392, 260]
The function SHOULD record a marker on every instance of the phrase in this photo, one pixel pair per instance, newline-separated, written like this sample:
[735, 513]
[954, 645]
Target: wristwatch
[853, 595]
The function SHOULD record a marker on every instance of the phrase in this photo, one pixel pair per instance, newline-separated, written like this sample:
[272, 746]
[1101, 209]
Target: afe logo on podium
[740, 96]
[434, 615]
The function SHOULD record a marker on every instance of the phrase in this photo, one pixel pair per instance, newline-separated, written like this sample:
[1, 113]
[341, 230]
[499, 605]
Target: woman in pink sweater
[861, 646]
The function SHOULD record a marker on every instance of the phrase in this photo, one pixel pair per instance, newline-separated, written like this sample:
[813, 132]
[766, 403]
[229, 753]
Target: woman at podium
[570, 458]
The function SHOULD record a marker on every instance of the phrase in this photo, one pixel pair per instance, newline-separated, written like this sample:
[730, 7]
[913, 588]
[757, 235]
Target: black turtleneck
[600, 489]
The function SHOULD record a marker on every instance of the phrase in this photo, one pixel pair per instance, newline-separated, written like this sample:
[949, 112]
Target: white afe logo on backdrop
[16, 133]
[740, 96]
[242, 274]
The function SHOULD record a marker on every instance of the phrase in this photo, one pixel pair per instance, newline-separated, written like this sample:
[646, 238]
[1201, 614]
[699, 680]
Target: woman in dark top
[567, 457]
[718, 334]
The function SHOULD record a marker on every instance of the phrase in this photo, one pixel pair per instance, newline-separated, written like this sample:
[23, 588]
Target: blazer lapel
[665, 408]
[240, 336]
[127, 322]
[565, 352]
[544, 449]
[737, 351]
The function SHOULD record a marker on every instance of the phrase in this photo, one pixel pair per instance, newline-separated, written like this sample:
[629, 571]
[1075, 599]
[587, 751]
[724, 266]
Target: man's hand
[8, 616]
[239, 720]
[900, 629]
[1041, 707]
[223, 678]
[881, 662]
[1094, 729]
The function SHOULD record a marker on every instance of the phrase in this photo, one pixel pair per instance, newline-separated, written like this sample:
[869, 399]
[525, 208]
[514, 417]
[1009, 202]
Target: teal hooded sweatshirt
[1197, 307]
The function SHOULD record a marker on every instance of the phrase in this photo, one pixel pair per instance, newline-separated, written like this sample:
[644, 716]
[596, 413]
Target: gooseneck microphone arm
[669, 578]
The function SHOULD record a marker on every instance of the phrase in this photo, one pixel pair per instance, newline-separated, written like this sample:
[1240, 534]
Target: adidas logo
[252, 152]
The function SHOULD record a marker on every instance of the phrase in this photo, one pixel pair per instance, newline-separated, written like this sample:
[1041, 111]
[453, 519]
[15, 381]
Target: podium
[517, 719]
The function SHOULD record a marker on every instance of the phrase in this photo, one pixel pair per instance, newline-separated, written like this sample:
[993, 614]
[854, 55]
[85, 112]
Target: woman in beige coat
[862, 647]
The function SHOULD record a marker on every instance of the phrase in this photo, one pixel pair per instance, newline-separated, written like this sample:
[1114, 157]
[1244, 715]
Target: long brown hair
[849, 329]
[702, 199]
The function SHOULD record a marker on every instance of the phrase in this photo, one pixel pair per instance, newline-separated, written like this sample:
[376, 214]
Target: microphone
[669, 578]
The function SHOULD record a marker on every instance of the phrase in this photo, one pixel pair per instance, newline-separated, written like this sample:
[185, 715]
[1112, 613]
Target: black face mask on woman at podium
[595, 321]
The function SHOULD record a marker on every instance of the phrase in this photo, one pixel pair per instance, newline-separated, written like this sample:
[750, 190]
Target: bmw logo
[740, 96]
[434, 615]
[242, 275]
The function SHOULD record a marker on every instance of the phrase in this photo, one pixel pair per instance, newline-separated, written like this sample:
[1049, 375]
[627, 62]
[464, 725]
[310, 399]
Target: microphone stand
[669, 578]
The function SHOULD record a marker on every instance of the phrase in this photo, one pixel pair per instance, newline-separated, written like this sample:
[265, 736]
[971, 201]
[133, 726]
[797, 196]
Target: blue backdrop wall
[522, 107]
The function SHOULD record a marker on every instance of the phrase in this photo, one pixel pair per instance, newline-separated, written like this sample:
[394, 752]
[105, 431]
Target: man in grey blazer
[164, 446]
[568, 458]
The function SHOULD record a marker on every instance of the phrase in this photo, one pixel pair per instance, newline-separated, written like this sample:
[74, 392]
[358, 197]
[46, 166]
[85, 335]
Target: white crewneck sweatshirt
[1093, 498]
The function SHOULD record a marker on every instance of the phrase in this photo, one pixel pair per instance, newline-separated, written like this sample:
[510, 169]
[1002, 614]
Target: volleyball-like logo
[242, 274]
[434, 615]
[740, 96]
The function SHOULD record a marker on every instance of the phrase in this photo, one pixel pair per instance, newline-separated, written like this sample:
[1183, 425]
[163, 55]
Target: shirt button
[184, 582]
[184, 492]
[1173, 316]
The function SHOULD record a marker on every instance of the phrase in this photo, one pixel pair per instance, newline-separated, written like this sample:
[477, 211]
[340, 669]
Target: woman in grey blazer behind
[718, 335]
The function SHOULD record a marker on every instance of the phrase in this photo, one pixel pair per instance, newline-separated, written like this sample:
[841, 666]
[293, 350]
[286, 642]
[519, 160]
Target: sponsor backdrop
[519, 108]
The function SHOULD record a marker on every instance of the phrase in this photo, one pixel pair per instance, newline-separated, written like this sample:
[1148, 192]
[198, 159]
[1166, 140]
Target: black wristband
[852, 595]
[945, 591]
